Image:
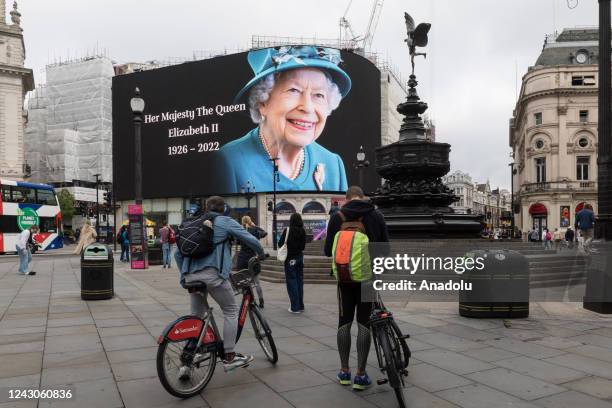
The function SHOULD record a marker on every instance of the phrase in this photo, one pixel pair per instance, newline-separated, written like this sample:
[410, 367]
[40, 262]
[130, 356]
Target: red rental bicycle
[189, 346]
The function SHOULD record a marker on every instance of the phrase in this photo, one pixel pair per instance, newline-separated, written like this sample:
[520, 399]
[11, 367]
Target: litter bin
[97, 272]
[500, 289]
[154, 249]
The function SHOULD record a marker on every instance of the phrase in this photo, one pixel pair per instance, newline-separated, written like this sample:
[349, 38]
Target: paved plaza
[104, 351]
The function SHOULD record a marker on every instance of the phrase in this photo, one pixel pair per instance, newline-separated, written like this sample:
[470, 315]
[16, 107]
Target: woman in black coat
[294, 264]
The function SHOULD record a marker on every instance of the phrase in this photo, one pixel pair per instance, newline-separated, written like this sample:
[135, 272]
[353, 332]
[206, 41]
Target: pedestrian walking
[168, 238]
[295, 235]
[534, 236]
[214, 270]
[569, 237]
[547, 239]
[87, 237]
[558, 238]
[23, 247]
[334, 209]
[585, 222]
[357, 209]
[125, 244]
[246, 253]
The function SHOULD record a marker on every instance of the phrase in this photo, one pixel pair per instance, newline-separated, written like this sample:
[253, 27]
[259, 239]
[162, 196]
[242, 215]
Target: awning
[579, 207]
[148, 222]
[538, 209]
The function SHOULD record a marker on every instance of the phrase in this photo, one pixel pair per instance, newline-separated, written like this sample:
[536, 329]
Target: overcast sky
[469, 78]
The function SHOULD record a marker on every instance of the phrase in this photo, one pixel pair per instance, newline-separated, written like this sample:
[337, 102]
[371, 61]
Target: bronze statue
[417, 37]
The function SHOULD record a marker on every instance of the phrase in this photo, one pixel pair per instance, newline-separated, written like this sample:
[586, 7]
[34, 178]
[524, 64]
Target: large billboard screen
[212, 126]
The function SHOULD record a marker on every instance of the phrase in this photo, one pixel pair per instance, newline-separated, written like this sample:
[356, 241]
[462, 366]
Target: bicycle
[189, 346]
[392, 352]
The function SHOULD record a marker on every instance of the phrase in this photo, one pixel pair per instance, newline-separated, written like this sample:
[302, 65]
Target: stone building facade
[553, 133]
[15, 82]
[475, 198]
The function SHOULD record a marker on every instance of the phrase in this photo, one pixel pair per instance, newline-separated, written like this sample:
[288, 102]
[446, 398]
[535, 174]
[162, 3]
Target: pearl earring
[263, 118]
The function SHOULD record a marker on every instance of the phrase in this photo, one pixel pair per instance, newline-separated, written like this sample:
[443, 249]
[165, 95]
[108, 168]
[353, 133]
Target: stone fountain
[413, 198]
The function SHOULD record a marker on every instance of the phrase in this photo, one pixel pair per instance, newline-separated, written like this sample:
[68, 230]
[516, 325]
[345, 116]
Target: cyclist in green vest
[356, 208]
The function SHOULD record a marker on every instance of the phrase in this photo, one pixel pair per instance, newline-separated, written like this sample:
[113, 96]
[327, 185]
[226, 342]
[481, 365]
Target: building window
[538, 118]
[584, 116]
[580, 80]
[582, 168]
[583, 142]
[540, 163]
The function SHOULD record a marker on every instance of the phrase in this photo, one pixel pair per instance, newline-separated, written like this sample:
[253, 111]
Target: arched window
[285, 207]
[313, 207]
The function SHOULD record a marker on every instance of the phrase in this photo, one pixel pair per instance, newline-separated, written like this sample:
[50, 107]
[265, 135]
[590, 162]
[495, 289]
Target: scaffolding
[69, 132]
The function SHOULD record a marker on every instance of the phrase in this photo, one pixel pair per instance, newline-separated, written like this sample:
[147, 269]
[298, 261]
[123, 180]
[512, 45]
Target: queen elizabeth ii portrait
[293, 91]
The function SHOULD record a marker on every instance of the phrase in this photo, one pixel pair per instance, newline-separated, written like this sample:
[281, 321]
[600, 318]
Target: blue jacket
[245, 159]
[224, 228]
[585, 219]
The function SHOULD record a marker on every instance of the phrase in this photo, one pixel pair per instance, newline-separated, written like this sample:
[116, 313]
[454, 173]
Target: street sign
[26, 218]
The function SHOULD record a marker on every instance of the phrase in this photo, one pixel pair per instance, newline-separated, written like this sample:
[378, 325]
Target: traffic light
[83, 208]
[108, 198]
[270, 206]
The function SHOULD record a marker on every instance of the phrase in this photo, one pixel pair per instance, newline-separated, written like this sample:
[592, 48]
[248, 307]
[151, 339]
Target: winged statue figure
[417, 37]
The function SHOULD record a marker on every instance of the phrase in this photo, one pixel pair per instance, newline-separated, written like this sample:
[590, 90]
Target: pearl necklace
[297, 169]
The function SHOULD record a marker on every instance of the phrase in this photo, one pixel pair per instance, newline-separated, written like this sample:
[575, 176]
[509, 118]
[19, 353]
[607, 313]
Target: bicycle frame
[204, 328]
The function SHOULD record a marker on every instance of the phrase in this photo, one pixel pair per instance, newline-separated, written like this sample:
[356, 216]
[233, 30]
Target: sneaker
[31, 273]
[361, 382]
[238, 361]
[261, 303]
[344, 377]
[291, 311]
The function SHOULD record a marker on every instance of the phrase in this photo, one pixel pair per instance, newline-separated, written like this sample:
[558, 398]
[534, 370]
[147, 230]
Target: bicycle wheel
[182, 372]
[263, 334]
[391, 365]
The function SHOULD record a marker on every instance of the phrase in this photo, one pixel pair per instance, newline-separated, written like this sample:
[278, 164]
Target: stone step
[556, 283]
[554, 269]
[307, 269]
[573, 262]
[281, 275]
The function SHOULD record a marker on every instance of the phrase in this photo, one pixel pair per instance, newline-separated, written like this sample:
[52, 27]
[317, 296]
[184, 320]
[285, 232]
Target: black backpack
[195, 239]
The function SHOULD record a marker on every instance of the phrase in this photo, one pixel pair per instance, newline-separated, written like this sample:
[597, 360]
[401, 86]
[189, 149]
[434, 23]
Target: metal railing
[559, 186]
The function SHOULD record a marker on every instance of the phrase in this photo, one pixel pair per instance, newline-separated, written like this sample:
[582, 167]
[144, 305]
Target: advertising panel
[565, 216]
[212, 126]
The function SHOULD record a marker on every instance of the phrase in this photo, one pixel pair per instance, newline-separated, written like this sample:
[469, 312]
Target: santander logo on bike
[187, 330]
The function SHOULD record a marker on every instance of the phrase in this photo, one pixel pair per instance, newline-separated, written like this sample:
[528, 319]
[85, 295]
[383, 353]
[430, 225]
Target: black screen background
[216, 81]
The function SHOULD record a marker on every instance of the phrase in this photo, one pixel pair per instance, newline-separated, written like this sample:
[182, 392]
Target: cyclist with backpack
[211, 262]
[357, 223]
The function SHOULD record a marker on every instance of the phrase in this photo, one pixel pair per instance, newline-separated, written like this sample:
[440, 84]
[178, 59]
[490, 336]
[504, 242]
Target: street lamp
[137, 104]
[361, 163]
[275, 179]
[138, 246]
[248, 190]
[512, 173]
[97, 176]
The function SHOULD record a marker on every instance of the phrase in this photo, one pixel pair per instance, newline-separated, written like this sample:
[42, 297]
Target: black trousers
[349, 303]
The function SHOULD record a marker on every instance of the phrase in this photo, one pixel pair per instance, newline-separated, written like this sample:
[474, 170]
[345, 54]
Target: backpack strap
[352, 225]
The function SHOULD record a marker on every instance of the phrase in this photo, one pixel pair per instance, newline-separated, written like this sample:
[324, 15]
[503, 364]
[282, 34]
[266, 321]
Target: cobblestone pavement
[104, 351]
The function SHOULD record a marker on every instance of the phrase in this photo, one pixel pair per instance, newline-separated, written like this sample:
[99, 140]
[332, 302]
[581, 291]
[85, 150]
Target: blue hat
[271, 60]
